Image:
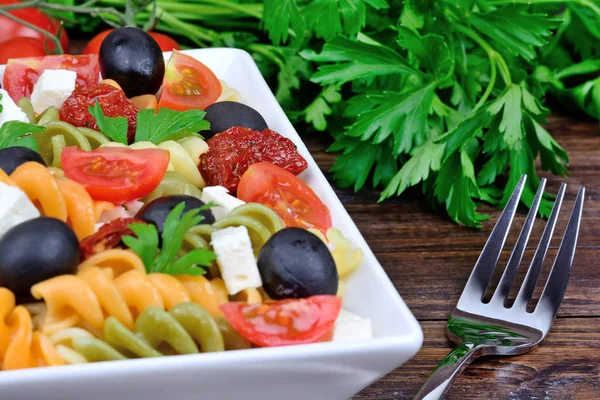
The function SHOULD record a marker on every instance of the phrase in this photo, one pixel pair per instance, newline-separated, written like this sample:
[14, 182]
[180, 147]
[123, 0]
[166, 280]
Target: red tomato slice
[108, 237]
[286, 194]
[22, 73]
[284, 322]
[188, 84]
[115, 174]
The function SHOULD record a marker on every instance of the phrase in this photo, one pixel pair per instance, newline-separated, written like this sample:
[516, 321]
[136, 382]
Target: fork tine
[556, 285]
[508, 276]
[535, 267]
[486, 263]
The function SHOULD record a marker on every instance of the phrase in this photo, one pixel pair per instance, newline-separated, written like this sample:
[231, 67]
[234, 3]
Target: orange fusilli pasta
[59, 198]
[20, 345]
[115, 283]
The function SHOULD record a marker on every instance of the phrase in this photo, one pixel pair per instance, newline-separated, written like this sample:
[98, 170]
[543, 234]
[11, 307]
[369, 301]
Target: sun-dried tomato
[108, 237]
[231, 153]
[113, 101]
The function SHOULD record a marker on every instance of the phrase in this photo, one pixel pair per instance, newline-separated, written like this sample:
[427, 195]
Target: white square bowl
[327, 371]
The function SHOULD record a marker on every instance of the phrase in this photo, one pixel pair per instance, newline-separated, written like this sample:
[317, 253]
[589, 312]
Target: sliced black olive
[133, 59]
[157, 210]
[12, 157]
[34, 251]
[295, 263]
[225, 114]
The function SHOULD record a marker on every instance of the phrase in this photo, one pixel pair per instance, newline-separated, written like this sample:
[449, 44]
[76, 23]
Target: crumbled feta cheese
[224, 201]
[236, 259]
[351, 327]
[10, 111]
[16, 208]
[52, 89]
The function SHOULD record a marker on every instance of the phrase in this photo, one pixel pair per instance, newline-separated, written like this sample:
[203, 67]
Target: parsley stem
[585, 3]
[490, 86]
[493, 55]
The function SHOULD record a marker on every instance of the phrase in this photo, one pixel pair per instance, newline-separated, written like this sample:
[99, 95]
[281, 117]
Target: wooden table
[429, 259]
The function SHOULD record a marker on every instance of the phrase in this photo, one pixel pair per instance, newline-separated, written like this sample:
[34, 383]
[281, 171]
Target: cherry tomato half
[21, 47]
[188, 84]
[284, 322]
[115, 174]
[21, 74]
[11, 29]
[166, 43]
[286, 194]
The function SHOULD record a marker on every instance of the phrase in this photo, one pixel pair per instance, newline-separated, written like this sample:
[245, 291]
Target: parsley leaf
[331, 17]
[515, 28]
[152, 126]
[167, 124]
[113, 128]
[279, 16]
[355, 60]
[164, 261]
[17, 133]
[316, 111]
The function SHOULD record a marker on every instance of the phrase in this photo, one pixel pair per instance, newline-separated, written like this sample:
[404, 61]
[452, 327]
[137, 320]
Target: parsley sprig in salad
[165, 260]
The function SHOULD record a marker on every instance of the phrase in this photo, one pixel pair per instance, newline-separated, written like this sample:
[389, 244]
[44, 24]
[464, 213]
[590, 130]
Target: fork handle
[448, 369]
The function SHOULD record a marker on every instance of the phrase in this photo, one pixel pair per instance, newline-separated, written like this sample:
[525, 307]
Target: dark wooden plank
[564, 367]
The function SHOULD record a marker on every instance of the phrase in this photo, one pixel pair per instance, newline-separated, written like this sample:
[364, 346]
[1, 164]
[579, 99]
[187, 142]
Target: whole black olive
[157, 210]
[133, 59]
[34, 251]
[225, 114]
[295, 263]
[13, 157]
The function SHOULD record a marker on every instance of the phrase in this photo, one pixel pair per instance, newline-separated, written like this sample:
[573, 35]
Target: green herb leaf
[17, 133]
[165, 261]
[317, 111]
[166, 124]
[145, 245]
[113, 128]
[331, 17]
[279, 16]
[516, 28]
[355, 60]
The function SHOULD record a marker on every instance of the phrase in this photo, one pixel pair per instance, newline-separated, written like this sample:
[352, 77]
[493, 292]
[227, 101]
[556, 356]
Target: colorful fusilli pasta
[20, 345]
[115, 283]
[59, 198]
[346, 257]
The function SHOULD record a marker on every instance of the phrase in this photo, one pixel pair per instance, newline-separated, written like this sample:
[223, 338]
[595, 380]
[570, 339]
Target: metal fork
[493, 328]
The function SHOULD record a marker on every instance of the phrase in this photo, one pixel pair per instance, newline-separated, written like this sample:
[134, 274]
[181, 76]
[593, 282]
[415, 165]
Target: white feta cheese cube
[52, 89]
[236, 259]
[351, 327]
[10, 111]
[224, 201]
[15, 208]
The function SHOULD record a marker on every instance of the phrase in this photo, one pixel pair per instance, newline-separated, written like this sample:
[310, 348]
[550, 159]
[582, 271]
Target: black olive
[13, 157]
[133, 59]
[157, 210]
[34, 251]
[225, 114]
[295, 263]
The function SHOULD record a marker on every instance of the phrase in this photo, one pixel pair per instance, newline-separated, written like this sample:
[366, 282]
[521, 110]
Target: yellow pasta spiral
[20, 345]
[114, 283]
[346, 257]
[59, 198]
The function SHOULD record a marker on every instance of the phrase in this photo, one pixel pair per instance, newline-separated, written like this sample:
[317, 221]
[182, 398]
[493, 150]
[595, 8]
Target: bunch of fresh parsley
[448, 95]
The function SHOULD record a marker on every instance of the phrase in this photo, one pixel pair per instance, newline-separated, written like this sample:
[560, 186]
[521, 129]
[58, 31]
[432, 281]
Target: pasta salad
[153, 213]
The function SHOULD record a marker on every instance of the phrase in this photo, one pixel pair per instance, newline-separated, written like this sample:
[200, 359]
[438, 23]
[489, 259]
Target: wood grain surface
[429, 259]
